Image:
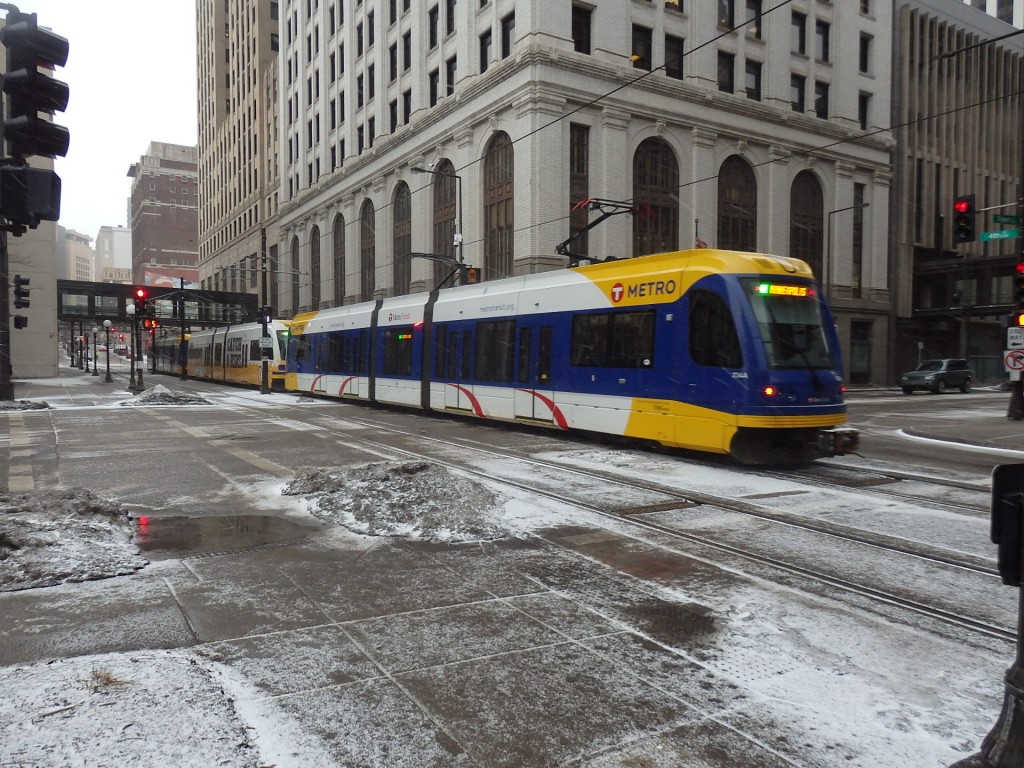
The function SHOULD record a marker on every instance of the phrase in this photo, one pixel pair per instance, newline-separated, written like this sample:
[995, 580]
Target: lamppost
[106, 329]
[85, 350]
[829, 271]
[95, 360]
[458, 239]
[130, 311]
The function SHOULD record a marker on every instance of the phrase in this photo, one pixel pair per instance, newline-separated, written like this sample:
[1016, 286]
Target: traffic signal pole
[6, 385]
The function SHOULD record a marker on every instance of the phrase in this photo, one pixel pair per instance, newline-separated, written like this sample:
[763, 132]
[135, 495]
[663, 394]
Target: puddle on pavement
[173, 536]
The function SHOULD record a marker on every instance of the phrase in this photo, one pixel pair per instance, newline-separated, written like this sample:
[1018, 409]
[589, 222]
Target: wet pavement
[511, 653]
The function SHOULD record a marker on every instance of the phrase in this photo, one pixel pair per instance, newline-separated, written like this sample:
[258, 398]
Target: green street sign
[1005, 218]
[1002, 234]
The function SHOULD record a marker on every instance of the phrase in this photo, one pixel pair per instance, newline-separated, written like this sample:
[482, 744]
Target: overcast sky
[132, 74]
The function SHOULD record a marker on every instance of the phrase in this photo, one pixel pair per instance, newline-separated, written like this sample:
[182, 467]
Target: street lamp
[828, 256]
[130, 311]
[106, 329]
[95, 360]
[458, 239]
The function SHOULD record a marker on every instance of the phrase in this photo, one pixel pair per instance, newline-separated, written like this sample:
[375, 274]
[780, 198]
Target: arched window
[339, 260]
[806, 221]
[367, 252]
[295, 275]
[656, 189]
[314, 268]
[737, 206]
[444, 220]
[499, 189]
[401, 268]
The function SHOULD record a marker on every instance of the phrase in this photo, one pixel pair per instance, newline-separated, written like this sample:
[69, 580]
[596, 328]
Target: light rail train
[718, 351]
[231, 354]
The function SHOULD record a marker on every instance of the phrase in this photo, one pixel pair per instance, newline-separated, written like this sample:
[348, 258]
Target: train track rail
[466, 455]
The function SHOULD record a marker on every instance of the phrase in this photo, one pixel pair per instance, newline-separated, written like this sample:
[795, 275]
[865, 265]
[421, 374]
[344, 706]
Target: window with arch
[401, 263]
[737, 205]
[806, 221]
[367, 251]
[499, 189]
[339, 260]
[656, 190]
[295, 275]
[314, 268]
[445, 214]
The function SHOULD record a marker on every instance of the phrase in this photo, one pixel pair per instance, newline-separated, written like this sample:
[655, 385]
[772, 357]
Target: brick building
[165, 216]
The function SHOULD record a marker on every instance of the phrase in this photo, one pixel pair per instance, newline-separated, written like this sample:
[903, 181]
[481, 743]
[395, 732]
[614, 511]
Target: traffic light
[30, 91]
[21, 292]
[964, 214]
[264, 315]
[141, 303]
[29, 195]
[1018, 284]
[470, 275]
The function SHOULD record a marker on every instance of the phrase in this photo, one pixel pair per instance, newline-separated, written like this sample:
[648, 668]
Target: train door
[534, 396]
[458, 361]
[717, 371]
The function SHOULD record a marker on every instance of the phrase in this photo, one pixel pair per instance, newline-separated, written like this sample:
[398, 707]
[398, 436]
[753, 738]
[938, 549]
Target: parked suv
[937, 376]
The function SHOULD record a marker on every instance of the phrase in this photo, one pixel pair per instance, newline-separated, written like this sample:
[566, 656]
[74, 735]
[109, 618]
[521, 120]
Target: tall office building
[957, 81]
[238, 161]
[164, 209]
[114, 255]
[739, 124]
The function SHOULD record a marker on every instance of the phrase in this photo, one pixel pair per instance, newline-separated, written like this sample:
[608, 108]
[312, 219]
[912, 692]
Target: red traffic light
[961, 206]
[141, 293]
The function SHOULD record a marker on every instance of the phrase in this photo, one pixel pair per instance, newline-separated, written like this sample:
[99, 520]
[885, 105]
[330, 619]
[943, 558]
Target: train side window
[254, 350]
[524, 356]
[494, 350]
[713, 338]
[334, 349]
[613, 340]
[440, 347]
[218, 354]
[451, 358]
[398, 351]
[301, 347]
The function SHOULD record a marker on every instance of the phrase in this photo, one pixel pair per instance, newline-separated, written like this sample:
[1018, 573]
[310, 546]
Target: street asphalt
[391, 636]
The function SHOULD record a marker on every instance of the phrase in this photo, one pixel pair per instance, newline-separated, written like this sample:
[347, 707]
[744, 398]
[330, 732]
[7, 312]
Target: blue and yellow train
[717, 351]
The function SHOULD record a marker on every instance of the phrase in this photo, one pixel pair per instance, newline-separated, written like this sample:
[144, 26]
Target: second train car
[709, 350]
[232, 354]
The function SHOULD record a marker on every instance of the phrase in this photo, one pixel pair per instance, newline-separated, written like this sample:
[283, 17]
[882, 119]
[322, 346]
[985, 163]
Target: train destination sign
[779, 289]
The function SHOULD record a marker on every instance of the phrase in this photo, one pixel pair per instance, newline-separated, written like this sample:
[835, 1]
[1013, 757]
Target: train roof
[656, 278]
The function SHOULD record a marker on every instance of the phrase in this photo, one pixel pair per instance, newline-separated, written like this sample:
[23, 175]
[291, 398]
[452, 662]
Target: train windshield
[789, 319]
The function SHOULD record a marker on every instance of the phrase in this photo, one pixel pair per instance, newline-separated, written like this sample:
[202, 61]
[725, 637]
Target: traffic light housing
[470, 275]
[30, 91]
[29, 195]
[264, 315]
[141, 301]
[964, 217]
[21, 292]
[1018, 284]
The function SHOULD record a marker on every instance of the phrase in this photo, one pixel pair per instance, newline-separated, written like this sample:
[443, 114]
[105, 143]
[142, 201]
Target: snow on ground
[176, 707]
[182, 708]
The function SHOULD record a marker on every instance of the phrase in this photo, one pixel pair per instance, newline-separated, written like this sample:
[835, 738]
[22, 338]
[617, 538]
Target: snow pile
[414, 499]
[23, 405]
[52, 537]
[161, 395]
[147, 708]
